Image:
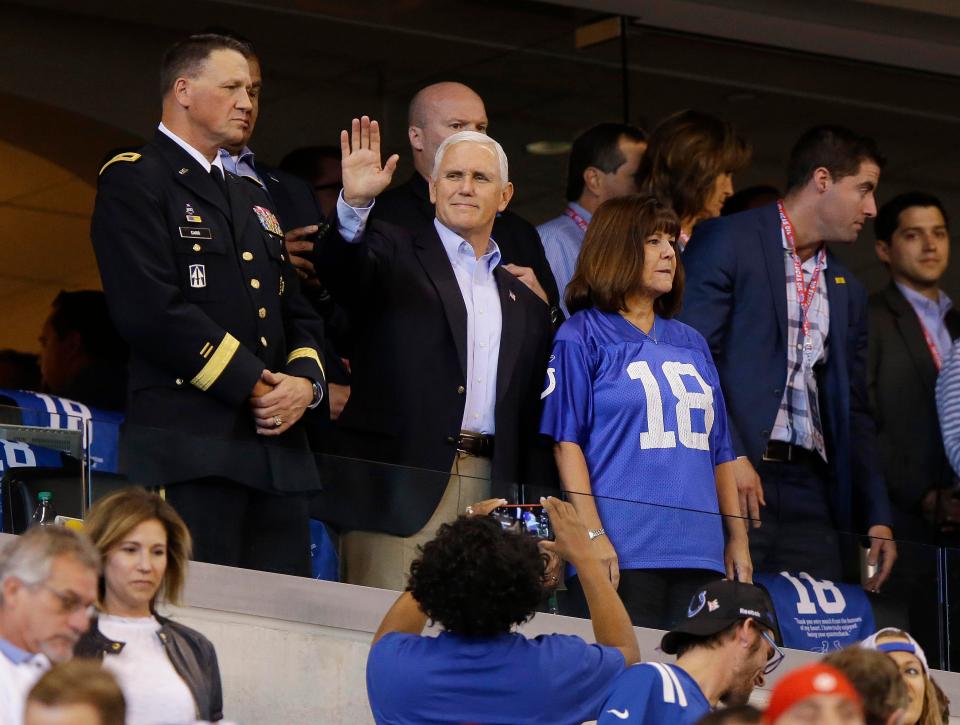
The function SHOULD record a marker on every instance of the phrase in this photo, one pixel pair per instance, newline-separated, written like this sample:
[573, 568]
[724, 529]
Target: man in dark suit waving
[451, 351]
[787, 326]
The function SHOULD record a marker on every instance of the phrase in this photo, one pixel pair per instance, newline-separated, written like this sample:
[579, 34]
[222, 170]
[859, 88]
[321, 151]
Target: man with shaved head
[450, 355]
[436, 112]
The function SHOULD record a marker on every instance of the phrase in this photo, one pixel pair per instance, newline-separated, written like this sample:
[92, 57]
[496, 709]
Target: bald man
[436, 112]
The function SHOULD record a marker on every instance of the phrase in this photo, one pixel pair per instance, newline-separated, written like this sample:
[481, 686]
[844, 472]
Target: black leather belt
[475, 444]
[781, 452]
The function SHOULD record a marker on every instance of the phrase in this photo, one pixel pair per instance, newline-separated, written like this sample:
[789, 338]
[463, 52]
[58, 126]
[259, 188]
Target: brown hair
[610, 265]
[81, 682]
[187, 57]
[875, 677]
[686, 153]
[116, 515]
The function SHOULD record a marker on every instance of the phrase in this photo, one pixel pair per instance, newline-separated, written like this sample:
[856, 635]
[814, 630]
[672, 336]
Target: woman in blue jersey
[633, 403]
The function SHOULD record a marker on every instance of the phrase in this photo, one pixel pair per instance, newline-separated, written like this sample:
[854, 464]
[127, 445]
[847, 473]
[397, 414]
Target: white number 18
[656, 436]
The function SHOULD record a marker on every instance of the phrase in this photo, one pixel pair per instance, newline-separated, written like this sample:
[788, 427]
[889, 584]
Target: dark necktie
[221, 183]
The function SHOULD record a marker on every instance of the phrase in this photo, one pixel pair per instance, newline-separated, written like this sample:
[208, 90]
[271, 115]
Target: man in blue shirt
[478, 670]
[912, 327]
[48, 585]
[724, 648]
[603, 165]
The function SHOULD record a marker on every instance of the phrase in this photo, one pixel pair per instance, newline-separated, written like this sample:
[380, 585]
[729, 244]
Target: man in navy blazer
[792, 358]
[449, 363]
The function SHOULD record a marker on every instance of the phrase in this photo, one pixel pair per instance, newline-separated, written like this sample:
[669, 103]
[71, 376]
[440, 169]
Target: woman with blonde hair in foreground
[167, 671]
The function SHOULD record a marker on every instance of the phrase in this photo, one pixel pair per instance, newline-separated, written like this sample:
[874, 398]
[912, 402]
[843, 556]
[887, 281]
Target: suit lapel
[190, 174]
[909, 328]
[512, 329]
[433, 258]
[771, 242]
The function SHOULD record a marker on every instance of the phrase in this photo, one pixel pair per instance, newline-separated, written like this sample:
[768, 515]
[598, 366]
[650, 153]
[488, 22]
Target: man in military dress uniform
[224, 349]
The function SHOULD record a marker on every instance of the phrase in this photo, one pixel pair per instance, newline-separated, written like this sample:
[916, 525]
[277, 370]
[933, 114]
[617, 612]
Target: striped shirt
[948, 405]
[798, 420]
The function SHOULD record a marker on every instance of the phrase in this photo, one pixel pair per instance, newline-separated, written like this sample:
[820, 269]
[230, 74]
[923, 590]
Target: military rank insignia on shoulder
[128, 156]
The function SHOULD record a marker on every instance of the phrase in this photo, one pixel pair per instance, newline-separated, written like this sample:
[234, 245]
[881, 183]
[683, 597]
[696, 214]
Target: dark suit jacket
[736, 297]
[902, 379]
[203, 293]
[408, 205]
[409, 378]
[297, 207]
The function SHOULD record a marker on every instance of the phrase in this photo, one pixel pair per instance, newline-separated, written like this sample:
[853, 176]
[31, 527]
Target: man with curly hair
[479, 581]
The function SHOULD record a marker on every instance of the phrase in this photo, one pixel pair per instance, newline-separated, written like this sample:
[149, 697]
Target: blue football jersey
[653, 693]
[651, 421]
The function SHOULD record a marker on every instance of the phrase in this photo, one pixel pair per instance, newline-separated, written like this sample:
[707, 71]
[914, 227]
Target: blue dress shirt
[562, 238]
[242, 164]
[481, 297]
[932, 316]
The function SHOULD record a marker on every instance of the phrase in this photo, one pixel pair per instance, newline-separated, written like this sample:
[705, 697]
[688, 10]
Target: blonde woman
[168, 672]
[923, 707]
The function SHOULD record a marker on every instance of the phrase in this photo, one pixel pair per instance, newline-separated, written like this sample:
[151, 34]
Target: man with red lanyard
[912, 325]
[603, 165]
[787, 326]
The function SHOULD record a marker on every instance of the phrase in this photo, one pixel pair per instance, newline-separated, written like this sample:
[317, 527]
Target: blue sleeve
[383, 668]
[568, 394]
[584, 674]
[721, 447]
[868, 477]
[631, 699]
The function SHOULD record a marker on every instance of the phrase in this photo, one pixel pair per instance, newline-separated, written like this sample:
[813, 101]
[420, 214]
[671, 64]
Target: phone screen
[530, 519]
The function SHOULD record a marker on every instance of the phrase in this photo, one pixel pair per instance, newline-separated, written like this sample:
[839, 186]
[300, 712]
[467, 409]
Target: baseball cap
[719, 604]
[911, 645]
[804, 682]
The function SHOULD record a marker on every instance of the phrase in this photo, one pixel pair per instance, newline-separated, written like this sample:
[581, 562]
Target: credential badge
[198, 276]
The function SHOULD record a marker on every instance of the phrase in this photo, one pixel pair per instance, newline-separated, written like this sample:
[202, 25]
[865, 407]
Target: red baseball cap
[806, 682]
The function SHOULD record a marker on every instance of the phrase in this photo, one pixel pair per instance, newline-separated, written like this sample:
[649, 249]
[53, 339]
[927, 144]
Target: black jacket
[297, 207]
[902, 378]
[408, 205]
[409, 378]
[200, 288]
[191, 654]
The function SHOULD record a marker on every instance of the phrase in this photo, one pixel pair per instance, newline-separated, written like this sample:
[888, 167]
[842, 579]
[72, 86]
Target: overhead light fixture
[548, 148]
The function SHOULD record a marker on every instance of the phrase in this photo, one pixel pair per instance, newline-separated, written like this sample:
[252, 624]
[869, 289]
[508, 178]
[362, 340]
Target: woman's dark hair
[686, 153]
[610, 266]
[476, 579]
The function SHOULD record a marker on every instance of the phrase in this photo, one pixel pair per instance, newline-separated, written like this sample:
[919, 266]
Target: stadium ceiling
[917, 34]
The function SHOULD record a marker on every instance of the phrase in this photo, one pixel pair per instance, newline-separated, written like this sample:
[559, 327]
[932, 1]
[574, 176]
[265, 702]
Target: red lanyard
[934, 352]
[578, 220]
[805, 294]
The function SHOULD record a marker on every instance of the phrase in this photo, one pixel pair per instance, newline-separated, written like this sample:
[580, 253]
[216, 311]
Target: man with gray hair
[450, 359]
[48, 586]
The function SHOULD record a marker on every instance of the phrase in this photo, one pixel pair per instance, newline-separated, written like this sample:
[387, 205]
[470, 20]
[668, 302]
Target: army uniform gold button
[262, 312]
[179, 382]
[263, 341]
[197, 247]
[255, 283]
[247, 257]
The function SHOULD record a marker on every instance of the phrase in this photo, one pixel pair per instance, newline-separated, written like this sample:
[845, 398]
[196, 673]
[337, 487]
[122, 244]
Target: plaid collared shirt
[798, 420]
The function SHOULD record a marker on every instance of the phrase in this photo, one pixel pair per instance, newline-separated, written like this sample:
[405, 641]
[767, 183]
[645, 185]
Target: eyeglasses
[70, 603]
[776, 657]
